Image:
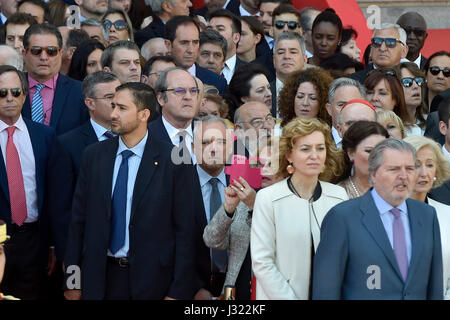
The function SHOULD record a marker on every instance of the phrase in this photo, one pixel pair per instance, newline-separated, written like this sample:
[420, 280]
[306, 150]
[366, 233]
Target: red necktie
[15, 181]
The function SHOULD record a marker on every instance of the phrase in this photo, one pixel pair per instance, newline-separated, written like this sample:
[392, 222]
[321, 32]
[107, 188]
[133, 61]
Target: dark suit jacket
[161, 251]
[432, 128]
[438, 98]
[267, 61]
[442, 193]
[156, 29]
[422, 61]
[233, 6]
[273, 90]
[354, 242]
[362, 75]
[42, 138]
[69, 110]
[65, 161]
[209, 77]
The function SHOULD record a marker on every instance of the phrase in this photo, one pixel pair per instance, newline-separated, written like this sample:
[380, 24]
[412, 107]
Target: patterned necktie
[37, 107]
[219, 257]
[15, 181]
[119, 206]
[108, 134]
[400, 243]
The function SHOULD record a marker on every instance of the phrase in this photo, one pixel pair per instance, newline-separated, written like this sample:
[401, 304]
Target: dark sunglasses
[390, 42]
[408, 82]
[119, 24]
[435, 71]
[417, 32]
[279, 24]
[15, 92]
[37, 50]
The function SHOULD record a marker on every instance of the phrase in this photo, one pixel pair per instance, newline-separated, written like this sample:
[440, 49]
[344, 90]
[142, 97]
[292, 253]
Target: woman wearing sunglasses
[437, 71]
[413, 83]
[118, 24]
[326, 35]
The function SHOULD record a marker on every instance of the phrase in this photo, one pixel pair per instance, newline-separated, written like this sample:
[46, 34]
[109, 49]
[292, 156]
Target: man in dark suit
[233, 6]
[25, 147]
[65, 160]
[163, 11]
[132, 218]
[212, 51]
[54, 100]
[229, 26]
[416, 30]
[384, 56]
[381, 245]
[183, 37]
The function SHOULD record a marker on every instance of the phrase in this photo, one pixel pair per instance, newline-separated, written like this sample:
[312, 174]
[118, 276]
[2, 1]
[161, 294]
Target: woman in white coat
[433, 170]
[287, 215]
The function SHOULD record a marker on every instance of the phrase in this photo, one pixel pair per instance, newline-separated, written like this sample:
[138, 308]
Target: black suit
[422, 61]
[156, 29]
[211, 78]
[362, 75]
[438, 98]
[432, 128]
[273, 90]
[267, 61]
[232, 6]
[161, 251]
[441, 194]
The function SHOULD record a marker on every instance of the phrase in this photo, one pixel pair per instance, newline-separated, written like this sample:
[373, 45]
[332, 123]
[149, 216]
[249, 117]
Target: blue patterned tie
[109, 134]
[219, 257]
[119, 206]
[37, 107]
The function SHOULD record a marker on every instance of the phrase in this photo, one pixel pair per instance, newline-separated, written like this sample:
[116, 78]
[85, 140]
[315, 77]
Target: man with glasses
[123, 59]
[25, 147]
[387, 49]
[415, 27]
[54, 99]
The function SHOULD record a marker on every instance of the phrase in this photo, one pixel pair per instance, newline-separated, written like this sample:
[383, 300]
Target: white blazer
[443, 214]
[282, 228]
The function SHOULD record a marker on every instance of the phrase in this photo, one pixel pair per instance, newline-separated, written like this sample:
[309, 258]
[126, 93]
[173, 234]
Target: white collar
[172, 131]
[446, 153]
[99, 130]
[3, 18]
[417, 61]
[192, 70]
[244, 12]
[20, 124]
[279, 85]
[231, 63]
[204, 177]
[138, 149]
[337, 139]
[226, 3]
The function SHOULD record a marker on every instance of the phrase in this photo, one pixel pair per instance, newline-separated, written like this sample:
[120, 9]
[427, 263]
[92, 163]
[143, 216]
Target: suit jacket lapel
[372, 221]
[107, 159]
[58, 100]
[89, 133]
[146, 169]
[416, 227]
[3, 177]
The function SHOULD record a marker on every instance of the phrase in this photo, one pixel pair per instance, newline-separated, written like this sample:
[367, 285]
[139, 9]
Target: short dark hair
[108, 55]
[444, 110]
[149, 64]
[274, 1]
[236, 25]
[214, 37]
[176, 21]
[285, 8]
[426, 66]
[340, 61]
[143, 96]
[76, 37]
[21, 18]
[22, 77]
[89, 84]
[328, 15]
[38, 3]
[41, 28]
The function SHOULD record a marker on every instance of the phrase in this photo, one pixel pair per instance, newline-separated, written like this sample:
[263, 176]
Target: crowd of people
[243, 150]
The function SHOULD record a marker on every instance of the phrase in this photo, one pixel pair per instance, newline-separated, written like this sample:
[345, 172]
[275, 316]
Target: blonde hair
[299, 127]
[442, 164]
[385, 116]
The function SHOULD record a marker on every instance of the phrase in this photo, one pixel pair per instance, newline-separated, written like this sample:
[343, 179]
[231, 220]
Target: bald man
[154, 47]
[355, 111]
[416, 30]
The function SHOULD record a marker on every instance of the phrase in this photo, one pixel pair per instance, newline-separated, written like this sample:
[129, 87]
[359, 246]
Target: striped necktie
[37, 107]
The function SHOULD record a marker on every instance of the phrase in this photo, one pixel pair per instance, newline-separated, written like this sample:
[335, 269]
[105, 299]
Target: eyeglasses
[390, 42]
[119, 24]
[435, 71]
[156, 73]
[15, 92]
[37, 50]
[417, 32]
[258, 123]
[279, 24]
[212, 91]
[108, 97]
[181, 92]
[408, 82]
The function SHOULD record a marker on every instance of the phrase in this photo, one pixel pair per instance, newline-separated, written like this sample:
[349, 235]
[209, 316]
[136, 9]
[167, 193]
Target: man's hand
[203, 294]
[72, 294]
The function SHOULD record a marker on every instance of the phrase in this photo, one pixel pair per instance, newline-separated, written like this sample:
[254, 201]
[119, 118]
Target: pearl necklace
[354, 187]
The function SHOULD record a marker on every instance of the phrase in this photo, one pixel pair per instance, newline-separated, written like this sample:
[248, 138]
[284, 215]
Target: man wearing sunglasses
[387, 49]
[25, 147]
[54, 99]
[415, 27]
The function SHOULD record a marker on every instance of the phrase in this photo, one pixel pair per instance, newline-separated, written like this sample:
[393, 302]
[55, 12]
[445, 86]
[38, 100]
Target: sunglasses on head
[417, 32]
[408, 82]
[279, 24]
[119, 24]
[15, 92]
[390, 42]
[37, 50]
[435, 71]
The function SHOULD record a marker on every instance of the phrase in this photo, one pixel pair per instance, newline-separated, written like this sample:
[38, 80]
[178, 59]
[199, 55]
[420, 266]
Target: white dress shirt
[446, 153]
[3, 18]
[192, 70]
[24, 147]
[99, 130]
[337, 139]
[308, 54]
[270, 41]
[278, 87]
[206, 187]
[175, 137]
[133, 166]
[244, 12]
[228, 69]
[417, 61]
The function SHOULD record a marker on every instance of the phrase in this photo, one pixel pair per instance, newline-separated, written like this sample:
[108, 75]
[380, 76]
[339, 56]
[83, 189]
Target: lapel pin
[156, 163]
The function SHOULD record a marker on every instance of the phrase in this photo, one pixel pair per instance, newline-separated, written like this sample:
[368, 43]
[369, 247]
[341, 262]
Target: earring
[290, 168]
[352, 170]
[434, 178]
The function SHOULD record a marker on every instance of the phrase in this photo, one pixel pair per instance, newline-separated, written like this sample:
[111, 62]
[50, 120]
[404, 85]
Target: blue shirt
[388, 220]
[99, 130]
[204, 178]
[133, 166]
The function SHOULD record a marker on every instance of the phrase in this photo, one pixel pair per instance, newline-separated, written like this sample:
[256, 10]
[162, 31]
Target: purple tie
[400, 243]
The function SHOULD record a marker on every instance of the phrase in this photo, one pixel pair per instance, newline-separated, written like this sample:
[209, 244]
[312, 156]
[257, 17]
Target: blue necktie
[109, 134]
[219, 257]
[37, 107]
[119, 206]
